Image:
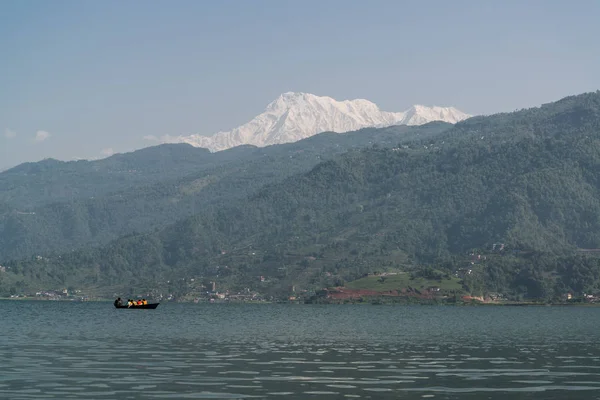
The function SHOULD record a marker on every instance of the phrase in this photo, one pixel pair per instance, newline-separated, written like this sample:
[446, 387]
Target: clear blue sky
[78, 77]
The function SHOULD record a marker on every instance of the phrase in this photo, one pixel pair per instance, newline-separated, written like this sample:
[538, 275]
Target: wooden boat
[151, 306]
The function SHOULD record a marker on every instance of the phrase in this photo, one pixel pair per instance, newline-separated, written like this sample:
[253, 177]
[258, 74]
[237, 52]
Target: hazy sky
[79, 79]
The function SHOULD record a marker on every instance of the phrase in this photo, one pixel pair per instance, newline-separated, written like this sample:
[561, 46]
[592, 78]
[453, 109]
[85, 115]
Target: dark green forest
[527, 180]
[55, 206]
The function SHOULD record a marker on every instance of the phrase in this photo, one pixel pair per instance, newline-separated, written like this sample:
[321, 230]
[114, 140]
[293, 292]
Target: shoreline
[374, 302]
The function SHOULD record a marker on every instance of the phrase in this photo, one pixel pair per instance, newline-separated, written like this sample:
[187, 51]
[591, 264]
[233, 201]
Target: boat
[150, 306]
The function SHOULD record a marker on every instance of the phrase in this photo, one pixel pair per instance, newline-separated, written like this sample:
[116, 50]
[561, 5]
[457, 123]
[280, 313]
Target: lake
[62, 350]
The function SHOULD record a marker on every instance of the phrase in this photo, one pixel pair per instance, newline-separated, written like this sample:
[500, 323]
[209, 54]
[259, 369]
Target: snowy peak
[288, 100]
[294, 116]
[419, 115]
[308, 108]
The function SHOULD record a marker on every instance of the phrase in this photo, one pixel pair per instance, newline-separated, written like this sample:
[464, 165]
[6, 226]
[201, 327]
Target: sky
[85, 79]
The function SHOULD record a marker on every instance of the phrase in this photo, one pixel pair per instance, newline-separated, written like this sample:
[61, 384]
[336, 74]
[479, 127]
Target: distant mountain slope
[528, 179]
[55, 206]
[31, 184]
[295, 116]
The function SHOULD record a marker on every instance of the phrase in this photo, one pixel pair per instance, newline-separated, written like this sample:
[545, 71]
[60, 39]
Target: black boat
[151, 306]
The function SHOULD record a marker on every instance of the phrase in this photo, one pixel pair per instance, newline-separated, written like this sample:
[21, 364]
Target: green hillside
[31, 185]
[528, 180]
[404, 280]
[53, 206]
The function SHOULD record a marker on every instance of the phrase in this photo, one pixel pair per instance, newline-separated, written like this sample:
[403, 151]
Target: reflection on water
[51, 350]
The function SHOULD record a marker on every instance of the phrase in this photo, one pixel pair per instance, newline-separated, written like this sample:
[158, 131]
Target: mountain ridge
[42, 204]
[297, 115]
[527, 180]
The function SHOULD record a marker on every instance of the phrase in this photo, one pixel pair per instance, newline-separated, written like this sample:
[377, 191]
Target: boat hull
[143, 306]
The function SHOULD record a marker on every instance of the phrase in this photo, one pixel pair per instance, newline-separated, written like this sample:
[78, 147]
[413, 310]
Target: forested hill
[50, 181]
[570, 114]
[529, 180]
[55, 206]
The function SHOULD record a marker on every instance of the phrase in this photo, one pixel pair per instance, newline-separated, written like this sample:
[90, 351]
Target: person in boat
[144, 301]
[139, 303]
[118, 302]
[129, 303]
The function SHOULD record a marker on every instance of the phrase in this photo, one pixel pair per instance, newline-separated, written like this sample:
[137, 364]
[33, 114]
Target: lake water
[59, 350]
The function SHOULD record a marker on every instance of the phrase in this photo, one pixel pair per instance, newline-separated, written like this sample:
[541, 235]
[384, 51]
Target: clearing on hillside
[402, 280]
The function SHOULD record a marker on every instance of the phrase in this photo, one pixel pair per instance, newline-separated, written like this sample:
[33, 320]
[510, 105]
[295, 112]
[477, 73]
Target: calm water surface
[57, 350]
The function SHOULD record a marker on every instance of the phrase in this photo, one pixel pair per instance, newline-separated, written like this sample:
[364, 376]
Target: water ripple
[71, 351]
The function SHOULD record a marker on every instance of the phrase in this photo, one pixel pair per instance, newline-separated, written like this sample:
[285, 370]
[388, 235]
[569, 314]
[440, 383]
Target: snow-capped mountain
[295, 116]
